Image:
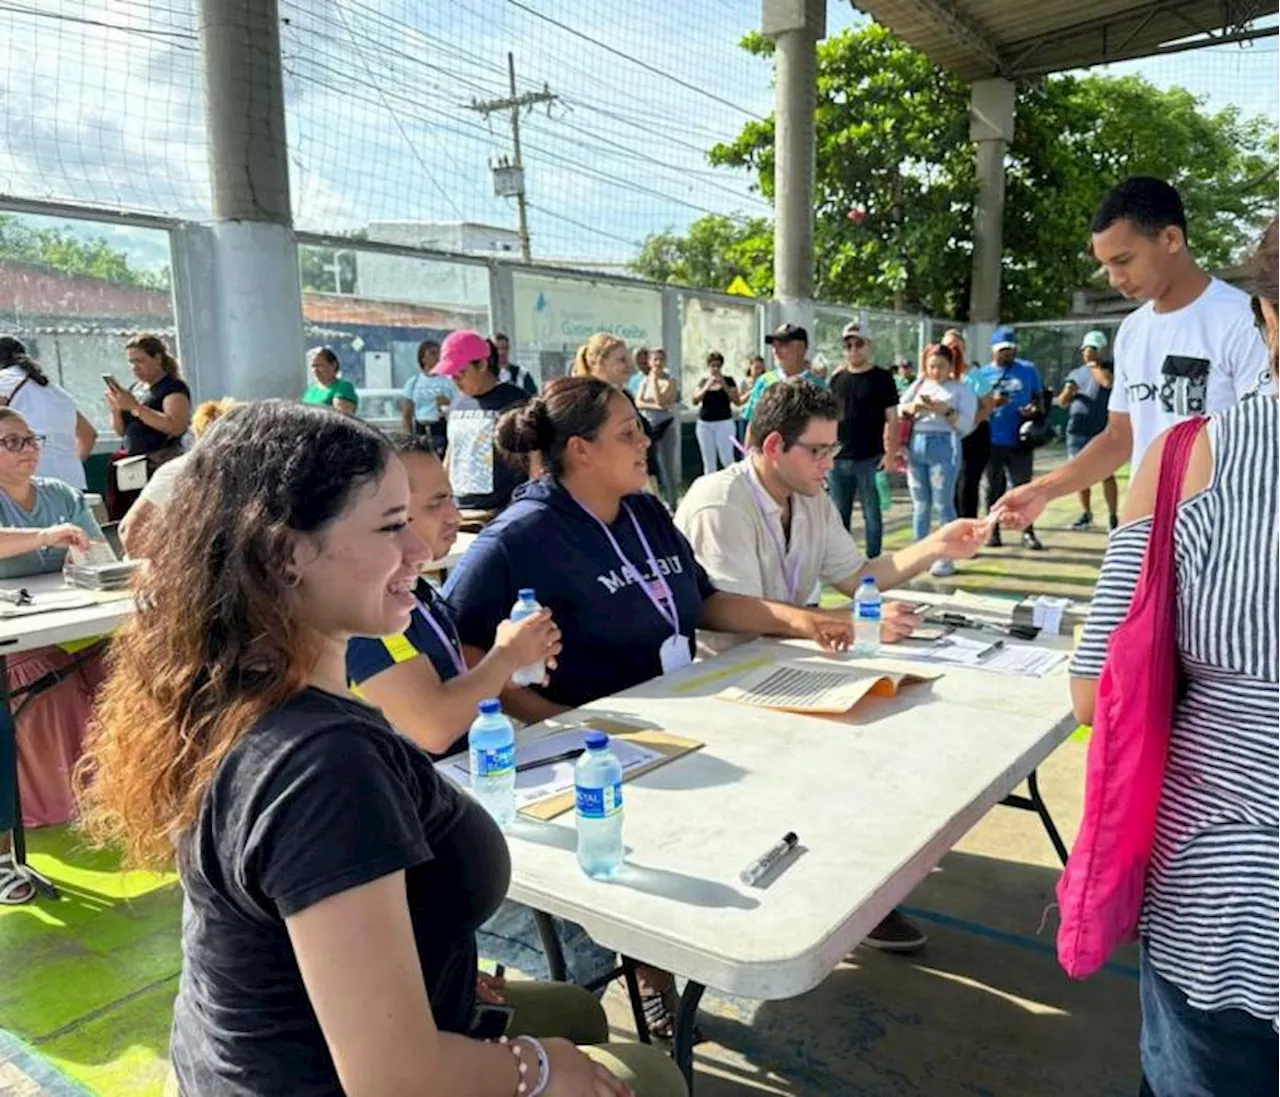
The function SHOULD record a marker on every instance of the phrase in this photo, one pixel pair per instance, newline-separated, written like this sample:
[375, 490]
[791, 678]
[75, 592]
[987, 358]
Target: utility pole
[508, 176]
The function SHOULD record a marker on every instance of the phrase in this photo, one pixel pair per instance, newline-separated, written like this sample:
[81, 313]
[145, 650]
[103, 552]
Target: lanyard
[663, 601]
[449, 639]
[790, 576]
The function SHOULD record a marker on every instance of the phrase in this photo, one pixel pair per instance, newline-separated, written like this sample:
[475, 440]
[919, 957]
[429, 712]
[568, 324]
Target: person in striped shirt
[1208, 929]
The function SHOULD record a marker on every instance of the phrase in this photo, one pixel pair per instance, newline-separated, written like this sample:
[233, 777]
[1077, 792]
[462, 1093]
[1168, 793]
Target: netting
[104, 107]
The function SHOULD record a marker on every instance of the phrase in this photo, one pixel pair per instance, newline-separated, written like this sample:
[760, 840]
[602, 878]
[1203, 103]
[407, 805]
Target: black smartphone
[111, 382]
[489, 1020]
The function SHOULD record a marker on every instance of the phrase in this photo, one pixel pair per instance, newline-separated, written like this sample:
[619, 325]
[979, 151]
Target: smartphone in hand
[112, 383]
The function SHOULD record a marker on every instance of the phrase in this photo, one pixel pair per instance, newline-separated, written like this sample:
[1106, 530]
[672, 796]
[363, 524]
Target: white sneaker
[943, 569]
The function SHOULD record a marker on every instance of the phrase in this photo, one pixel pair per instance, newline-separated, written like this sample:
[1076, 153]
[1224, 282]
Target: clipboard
[668, 745]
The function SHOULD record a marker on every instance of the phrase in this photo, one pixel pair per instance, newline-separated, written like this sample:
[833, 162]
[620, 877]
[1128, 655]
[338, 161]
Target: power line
[396, 119]
[634, 60]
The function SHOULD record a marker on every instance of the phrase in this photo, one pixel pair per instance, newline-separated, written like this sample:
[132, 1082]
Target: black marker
[760, 867]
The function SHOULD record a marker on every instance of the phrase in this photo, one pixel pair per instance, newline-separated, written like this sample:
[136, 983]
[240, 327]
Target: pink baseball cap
[459, 350]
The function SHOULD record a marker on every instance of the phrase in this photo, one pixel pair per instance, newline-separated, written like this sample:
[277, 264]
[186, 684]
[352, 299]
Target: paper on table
[49, 602]
[981, 605]
[814, 688]
[1023, 660]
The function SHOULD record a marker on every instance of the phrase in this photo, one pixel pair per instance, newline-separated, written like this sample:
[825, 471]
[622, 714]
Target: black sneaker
[994, 540]
[897, 933]
[1031, 541]
[1113, 521]
[1083, 522]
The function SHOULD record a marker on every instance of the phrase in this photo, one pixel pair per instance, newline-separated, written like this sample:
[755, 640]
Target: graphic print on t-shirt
[471, 451]
[1184, 385]
[617, 578]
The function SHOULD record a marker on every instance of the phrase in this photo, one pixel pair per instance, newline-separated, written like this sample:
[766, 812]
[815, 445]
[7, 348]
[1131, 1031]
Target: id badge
[674, 653]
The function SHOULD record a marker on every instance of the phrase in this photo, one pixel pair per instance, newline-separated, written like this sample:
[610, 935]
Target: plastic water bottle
[868, 612]
[597, 779]
[526, 606]
[492, 740]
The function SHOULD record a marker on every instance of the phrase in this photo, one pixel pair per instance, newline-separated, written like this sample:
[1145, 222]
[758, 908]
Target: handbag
[1101, 890]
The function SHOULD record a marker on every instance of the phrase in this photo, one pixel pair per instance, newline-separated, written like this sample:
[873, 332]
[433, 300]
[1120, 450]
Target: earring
[291, 579]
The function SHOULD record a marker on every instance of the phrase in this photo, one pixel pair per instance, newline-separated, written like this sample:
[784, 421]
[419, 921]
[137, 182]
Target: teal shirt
[341, 389]
[56, 503]
[772, 377]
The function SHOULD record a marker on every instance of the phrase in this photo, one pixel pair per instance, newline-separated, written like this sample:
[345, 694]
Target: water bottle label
[493, 763]
[600, 803]
[869, 611]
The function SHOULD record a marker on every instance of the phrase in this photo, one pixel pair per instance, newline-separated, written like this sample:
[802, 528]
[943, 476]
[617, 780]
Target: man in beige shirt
[766, 527]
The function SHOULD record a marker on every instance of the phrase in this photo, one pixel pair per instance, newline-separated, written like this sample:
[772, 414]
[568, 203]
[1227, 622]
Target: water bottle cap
[491, 707]
[596, 740]
[527, 594]
[868, 581]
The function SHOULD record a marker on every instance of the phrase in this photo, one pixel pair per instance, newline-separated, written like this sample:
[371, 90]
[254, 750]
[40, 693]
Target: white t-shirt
[1201, 359]
[159, 488]
[49, 410]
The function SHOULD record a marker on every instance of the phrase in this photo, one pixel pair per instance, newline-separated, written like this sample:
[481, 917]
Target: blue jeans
[849, 480]
[511, 937]
[1189, 1052]
[932, 456]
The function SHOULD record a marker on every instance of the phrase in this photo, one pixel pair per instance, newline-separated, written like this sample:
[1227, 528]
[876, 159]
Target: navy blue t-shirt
[610, 630]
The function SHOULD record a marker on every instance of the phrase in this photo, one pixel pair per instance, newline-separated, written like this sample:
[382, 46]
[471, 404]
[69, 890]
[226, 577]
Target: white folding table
[39, 630]
[877, 798]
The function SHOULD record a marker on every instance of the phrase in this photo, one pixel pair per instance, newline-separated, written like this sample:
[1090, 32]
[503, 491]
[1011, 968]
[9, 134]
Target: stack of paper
[113, 576]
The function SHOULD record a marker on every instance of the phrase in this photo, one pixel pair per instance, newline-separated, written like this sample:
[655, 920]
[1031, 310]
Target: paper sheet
[549, 781]
[814, 688]
[49, 602]
[987, 653]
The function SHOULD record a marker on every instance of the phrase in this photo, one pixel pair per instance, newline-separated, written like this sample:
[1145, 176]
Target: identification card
[674, 653]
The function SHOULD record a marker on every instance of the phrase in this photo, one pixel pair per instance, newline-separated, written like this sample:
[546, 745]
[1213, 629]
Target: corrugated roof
[1018, 38]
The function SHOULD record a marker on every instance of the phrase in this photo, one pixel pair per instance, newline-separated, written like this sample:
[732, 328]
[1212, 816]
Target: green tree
[327, 270]
[715, 251]
[71, 254]
[895, 181]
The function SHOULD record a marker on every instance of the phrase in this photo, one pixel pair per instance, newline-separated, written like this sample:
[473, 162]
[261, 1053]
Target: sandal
[660, 1019]
[16, 885]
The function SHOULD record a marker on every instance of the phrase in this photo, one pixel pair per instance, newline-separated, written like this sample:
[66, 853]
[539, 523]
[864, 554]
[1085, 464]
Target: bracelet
[544, 1066]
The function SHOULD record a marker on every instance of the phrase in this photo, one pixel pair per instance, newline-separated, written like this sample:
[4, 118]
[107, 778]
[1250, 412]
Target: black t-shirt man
[483, 479]
[320, 796]
[864, 398]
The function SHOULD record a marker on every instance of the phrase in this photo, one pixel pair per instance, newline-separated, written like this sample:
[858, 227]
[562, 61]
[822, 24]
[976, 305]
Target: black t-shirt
[864, 397]
[715, 406]
[140, 438]
[483, 479]
[320, 796]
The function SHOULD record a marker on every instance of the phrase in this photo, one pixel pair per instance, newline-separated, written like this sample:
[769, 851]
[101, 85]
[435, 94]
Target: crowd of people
[268, 717]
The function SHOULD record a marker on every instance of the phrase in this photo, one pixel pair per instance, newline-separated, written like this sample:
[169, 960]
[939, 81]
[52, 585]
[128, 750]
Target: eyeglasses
[825, 452]
[854, 341]
[16, 443]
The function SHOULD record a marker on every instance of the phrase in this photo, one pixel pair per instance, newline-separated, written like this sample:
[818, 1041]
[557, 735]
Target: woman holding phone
[151, 416]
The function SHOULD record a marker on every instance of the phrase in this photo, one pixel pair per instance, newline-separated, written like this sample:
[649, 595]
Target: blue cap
[491, 707]
[596, 740]
[527, 594]
[868, 579]
[1003, 337]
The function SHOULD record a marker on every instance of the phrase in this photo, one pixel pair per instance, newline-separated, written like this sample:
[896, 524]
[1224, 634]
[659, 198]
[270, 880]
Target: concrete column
[991, 128]
[795, 27]
[253, 301]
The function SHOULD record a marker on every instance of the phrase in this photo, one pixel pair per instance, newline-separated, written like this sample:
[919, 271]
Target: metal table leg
[551, 946]
[686, 1017]
[1035, 802]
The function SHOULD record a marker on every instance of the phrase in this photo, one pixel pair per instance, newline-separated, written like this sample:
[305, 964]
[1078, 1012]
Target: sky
[103, 105]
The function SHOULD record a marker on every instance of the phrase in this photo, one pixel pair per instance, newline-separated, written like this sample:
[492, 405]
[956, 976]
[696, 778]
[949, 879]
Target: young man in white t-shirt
[1192, 349]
